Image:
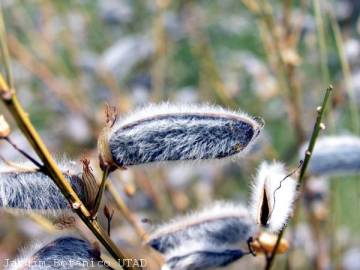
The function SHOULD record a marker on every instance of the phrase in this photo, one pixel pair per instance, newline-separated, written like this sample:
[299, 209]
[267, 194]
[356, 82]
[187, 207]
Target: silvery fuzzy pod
[64, 253]
[223, 224]
[32, 190]
[334, 155]
[168, 132]
[195, 257]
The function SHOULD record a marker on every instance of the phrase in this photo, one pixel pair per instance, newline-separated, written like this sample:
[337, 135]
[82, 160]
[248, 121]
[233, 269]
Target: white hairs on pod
[197, 256]
[63, 253]
[272, 196]
[167, 132]
[224, 224]
[334, 155]
[32, 190]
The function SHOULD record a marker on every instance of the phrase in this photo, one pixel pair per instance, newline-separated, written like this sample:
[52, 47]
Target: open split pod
[272, 197]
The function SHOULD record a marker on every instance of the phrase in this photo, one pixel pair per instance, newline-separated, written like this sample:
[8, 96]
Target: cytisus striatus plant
[213, 237]
[180, 59]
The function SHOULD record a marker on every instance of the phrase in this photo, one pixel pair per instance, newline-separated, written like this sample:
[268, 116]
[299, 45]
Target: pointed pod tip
[260, 121]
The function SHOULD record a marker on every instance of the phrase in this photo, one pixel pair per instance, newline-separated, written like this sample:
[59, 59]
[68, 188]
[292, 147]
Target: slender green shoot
[316, 130]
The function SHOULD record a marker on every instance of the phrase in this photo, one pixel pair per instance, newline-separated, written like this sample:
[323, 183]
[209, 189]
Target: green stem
[286, 76]
[324, 67]
[322, 41]
[5, 52]
[37, 164]
[101, 190]
[315, 133]
[316, 130]
[347, 73]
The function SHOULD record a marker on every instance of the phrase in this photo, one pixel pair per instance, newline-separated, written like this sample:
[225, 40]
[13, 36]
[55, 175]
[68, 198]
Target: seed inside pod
[266, 243]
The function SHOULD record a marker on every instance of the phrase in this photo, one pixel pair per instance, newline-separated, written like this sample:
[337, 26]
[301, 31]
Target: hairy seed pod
[33, 190]
[167, 132]
[273, 195]
[64, 253]
[334, 155]
[196, 257]
[224, 224]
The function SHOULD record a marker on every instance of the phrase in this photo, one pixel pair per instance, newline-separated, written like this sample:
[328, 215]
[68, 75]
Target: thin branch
[125, 211]
[132, 219]
[109, 214]
[5, 52]
[285, 72]
[324, 62]
[16, 166]
[100, 193]
[317, 128]
[42, 221]
[35, 162]
[322, 41]
[345, 66]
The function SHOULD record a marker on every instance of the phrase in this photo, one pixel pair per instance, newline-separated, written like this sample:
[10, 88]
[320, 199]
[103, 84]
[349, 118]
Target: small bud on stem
[109, 215]
[90, 184]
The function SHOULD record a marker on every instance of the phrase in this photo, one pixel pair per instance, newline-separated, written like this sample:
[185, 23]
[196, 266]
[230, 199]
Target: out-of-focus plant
[266, 59]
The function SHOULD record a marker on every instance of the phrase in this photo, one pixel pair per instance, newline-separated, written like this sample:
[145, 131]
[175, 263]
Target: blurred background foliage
[269, 58]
